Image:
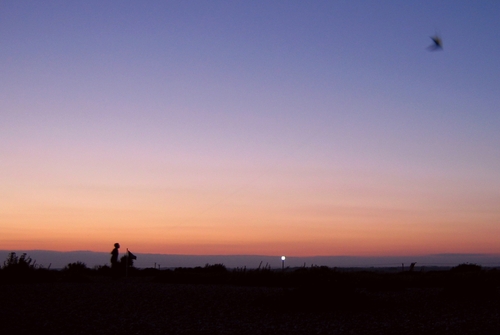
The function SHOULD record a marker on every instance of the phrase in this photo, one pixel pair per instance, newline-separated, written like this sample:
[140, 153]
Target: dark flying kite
[437, 45]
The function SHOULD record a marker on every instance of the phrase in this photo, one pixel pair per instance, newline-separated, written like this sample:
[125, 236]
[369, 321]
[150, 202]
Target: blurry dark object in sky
[438, 44]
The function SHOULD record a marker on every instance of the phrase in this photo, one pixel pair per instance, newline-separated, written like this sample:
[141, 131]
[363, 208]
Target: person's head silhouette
[117, 245]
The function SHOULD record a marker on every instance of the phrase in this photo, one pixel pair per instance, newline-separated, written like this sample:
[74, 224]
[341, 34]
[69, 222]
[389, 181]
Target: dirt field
[145, 307]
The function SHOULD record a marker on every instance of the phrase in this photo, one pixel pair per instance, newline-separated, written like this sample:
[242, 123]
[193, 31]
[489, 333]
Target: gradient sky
[250, 127]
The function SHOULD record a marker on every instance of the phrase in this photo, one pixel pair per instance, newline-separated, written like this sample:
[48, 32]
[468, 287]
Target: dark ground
[142, 306]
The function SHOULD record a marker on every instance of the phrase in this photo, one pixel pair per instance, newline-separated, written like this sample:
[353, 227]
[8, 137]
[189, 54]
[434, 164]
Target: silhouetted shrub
[22, 269]
[77, 267]
[466, 267]
[76, 272]
[470, 282]
[15, 263]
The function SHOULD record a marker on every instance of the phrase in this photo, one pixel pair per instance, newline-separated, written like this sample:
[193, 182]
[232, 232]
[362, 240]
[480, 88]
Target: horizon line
[269, 255]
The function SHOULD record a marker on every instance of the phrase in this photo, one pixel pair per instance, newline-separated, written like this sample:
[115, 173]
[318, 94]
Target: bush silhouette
[76, 272]
[466, 267]
[15, 263]
[467, 282]
[77, 267]
[23, 269]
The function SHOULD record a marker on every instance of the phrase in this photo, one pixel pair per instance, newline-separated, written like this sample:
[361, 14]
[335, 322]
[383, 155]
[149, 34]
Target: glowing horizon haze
[250, 127]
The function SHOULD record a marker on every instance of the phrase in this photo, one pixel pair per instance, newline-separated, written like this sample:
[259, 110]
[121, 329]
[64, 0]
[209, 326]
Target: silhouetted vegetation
[15, 263]
[470, 281]
[314, 289]
[467, 267]
[22, 269]
[76, 272]
[304, 287]
[77, 267]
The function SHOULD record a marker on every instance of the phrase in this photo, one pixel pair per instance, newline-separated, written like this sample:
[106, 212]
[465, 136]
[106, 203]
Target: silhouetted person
[115, 265]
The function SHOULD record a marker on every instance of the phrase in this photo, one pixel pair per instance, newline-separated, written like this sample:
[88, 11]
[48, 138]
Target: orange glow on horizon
[260, 221]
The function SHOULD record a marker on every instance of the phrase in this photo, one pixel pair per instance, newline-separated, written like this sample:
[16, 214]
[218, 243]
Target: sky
[319, 128]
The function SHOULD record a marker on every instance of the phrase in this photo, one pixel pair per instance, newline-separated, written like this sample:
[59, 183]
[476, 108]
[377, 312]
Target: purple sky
[250, 127]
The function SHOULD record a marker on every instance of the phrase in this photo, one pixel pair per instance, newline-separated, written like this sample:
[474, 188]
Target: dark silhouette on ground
[471, 278]
[77, 272]
[18, 263]
[22, 269]
[304, 300]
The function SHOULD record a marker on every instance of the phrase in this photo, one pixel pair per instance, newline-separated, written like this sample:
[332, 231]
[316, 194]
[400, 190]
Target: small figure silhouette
[438, 43]
[115, 265]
